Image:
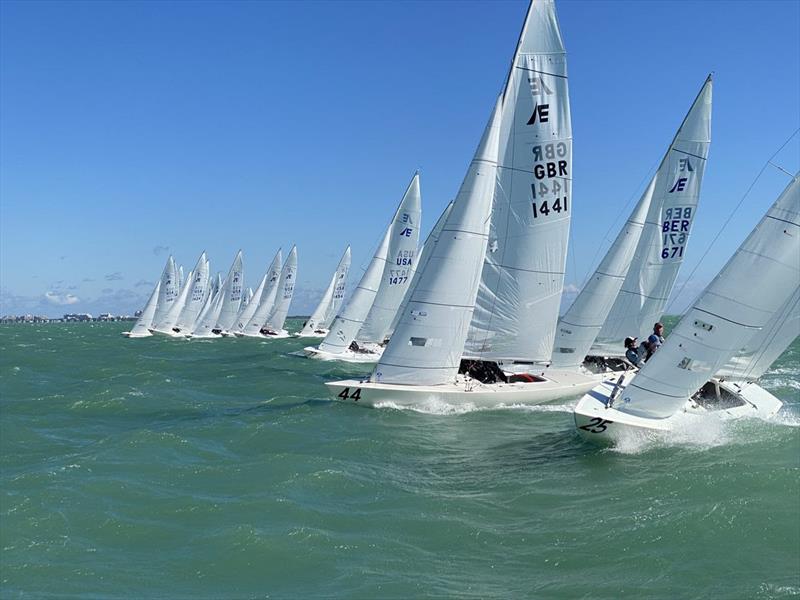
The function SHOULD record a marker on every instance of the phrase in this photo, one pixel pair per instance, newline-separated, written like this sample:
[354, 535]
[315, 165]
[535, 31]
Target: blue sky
[129, 130]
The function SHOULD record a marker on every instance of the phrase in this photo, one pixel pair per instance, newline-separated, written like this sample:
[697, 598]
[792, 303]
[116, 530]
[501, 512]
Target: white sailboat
[167, 323]
[328, 307]
[285, 290]
[199, 289]
[253, 327]
[682, 381]
[167, 293]
[249, 308]
[232, 299]
[142, 326]
[344, 341]
[639, 269]
[206, 325]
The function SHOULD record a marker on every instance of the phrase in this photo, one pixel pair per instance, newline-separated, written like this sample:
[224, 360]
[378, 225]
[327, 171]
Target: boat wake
[437, 407]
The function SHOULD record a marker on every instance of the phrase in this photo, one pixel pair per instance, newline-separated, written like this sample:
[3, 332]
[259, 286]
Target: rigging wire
[730, 216]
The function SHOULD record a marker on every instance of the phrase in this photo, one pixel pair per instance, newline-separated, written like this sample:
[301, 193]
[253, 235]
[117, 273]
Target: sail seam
[542, 72]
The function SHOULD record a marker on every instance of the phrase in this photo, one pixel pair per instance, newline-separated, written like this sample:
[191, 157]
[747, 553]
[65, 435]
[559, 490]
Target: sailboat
[232, 297]
[628, 291]
[196, 298]
[284, 292]
[167, 293]
[206, 323]
[357, 333]
[266, 301]
[145, 320]
[167, 323]
[328, 307]
[735, 317]
[510, 337]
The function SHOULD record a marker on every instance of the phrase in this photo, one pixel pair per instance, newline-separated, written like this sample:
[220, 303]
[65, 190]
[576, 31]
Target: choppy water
[219, 469]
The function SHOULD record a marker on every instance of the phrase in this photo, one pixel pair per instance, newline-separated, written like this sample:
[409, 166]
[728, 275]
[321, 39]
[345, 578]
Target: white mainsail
[284, 293]
[427, 344]
[142, 326]
[346, 325]
[752, 360]
[663, 241]
[266, 302]
[232, 295]
[248, 295]
[523, 274]
[197, 296]
[322, 317]
[338, 289]
[743, 298]
[168, 291]
[424, 257]
[397, 273]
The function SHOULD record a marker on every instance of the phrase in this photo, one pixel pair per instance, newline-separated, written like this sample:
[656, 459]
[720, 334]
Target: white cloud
[61, 299]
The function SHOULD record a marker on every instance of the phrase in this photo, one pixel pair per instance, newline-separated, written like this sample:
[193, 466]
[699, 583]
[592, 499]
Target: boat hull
[556, 385]
[313, 334]
[171, 334]
[130, 334]
[346, 356]
[598, 423]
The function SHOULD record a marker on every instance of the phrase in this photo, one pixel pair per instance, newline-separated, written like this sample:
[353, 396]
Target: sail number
[346, 395]
[675, 230]
[596, 425]
[543, 209]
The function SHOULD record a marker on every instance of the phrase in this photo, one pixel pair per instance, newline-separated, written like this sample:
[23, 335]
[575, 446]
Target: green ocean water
[162, 468]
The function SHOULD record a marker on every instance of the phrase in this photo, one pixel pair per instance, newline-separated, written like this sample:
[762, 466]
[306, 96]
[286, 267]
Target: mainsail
[743, 298]
[285, 291]
[427, 345]
[197, 296]
[267, 301]
[523, 273]
[145, 320]
[232, 295]
[248, 310]
[168, 322]
[398, 271]
[663, 241]
[318, 318]
[168, 291]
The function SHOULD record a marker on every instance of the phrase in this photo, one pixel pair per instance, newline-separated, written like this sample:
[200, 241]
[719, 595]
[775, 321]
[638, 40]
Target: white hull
[598, 423]
[171, 334]
[130, 334]
[205, 336]
[347, 356]
[313, 334]
[555, 386]
[279, 335]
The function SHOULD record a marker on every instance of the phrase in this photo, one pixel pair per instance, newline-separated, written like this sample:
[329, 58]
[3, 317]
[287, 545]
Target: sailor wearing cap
[632, 351]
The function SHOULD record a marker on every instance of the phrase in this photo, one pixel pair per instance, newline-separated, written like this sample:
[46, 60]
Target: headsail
[427, 345]
[347, 324]
[743, 298]
[400, 259]
[662, 245]
[232, 289]
[267, 301]
[247, 311]
[168, 322]
[523, 273]
[145, 320]
[285, 291]
[338, 289]
[320, 315]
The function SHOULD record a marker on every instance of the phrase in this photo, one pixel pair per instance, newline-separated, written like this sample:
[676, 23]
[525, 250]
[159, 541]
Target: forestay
[285, 291]
[232, 295]
[523, 272]
[741, 300]
[427, 345]
[398, 270]
[662, 246]
[347, 324]
[267, 301]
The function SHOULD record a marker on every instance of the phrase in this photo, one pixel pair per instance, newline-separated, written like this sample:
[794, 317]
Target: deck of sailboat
[555, 385]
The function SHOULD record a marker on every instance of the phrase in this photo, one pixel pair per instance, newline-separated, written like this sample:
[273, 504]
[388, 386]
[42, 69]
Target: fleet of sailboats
[472, 317]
